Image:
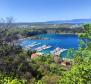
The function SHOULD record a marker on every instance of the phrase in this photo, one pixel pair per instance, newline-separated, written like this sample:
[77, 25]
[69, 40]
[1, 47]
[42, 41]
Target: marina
[43, 48]
[32, 45]
[57, 44]
[57, 51]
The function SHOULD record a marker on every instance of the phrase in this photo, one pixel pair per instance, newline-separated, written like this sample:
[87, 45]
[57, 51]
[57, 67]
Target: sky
[45, 10]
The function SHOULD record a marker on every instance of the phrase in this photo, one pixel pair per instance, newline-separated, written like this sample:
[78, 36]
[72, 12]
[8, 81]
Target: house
[34, 55]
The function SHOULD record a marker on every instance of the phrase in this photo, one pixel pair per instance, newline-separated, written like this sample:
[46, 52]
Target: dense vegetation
[17, 67]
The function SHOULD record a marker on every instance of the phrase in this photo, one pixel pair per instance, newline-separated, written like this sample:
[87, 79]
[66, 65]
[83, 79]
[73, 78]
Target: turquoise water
[66, 41]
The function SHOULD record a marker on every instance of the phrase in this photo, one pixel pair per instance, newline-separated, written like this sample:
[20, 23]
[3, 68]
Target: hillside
[73, 21]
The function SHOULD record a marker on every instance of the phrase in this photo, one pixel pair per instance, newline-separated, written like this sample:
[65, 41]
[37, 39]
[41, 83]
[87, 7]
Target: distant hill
[71, 22]
[74, 21]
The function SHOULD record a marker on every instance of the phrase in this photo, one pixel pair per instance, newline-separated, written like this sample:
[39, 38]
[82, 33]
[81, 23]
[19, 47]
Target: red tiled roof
[34, 55]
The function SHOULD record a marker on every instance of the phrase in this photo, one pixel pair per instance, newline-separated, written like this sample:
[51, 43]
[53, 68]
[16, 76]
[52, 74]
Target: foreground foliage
[17, 67]
[9, 80]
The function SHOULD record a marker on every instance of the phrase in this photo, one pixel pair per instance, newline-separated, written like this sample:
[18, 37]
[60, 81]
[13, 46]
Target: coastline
[36, 37]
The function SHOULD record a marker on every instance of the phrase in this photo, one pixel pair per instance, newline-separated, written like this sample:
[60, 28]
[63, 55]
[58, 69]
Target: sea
[66, 41]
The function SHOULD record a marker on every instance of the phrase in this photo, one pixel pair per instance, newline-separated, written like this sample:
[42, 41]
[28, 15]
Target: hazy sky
[45, 10]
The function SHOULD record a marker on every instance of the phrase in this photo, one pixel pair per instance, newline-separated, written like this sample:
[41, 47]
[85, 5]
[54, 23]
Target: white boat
[55, 50]
[47, 47]
[24, 42]
[43, 47]
[33, 44]
[58, 51]
[40, 47]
